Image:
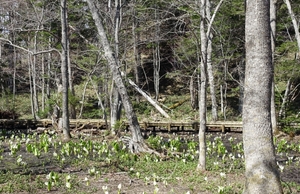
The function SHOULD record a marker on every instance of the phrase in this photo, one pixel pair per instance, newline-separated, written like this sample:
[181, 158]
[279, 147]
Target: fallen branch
[148, 98]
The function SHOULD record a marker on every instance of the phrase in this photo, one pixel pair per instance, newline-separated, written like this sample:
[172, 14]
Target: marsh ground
[138, 174]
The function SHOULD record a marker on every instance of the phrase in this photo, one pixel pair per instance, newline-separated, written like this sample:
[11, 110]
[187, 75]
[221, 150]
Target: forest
[131, 61]
[156, 44]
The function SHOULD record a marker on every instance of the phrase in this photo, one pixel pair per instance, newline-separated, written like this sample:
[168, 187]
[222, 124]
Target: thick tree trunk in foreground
[261, 174]
[136, 144]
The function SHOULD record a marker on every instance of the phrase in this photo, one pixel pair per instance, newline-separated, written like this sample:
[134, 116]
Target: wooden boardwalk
[169, 126]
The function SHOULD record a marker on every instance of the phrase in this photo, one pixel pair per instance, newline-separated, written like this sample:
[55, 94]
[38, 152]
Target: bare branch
[29, 51]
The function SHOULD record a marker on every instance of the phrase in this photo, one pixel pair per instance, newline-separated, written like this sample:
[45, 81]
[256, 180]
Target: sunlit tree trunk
[273, 39]
[210, 74]
[116, 107]
[156, 56]
[34, 75]
[202, 92]
[71, 86]
[261, 171]
[64, 71]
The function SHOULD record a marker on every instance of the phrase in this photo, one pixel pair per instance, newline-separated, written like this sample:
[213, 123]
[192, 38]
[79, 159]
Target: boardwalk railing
[223, 126]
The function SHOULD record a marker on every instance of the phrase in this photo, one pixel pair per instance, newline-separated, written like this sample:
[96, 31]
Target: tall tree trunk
[261, 173]
[71, 86]
[34, 75]
[64, 71]
[202, 91]
[156, 69]
[14, 78]
[273, 40]
[137, 142]
[156, 56]
[211, 81]
[30, 85]
[137, 58]
[43, 84]
[241, 70]
[48, 71]
[116, 102]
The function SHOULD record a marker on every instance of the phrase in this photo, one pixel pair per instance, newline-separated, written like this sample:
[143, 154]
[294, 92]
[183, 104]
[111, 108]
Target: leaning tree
[136, 143]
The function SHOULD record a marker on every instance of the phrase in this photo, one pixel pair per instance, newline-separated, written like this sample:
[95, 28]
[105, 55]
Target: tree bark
[241, 70]
[30, 85]
[116, 107]
[115, 98]
[273, 39]
[156, 56]
[71, 88]
[34, 75]
[202, 93]
[64, 72]
[116, 102]
[261, 171]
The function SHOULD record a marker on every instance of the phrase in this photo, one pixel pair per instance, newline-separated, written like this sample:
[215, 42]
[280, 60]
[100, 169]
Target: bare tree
[261, 171]
[202, 83]
[202, 80]
[136, 143]
[64, 71]
[211, 79]
[156, 54]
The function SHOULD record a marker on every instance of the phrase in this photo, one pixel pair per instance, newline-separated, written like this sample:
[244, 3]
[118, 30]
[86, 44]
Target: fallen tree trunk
[179, 103]
[149, 99]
